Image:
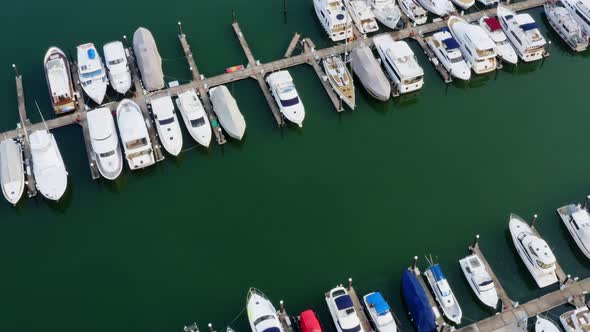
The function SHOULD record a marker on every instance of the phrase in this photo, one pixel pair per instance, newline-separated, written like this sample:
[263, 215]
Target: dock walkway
[313, 60]
[24, 123]
[359, 308]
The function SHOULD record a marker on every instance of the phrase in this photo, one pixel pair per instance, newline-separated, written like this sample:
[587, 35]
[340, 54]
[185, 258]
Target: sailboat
[340, 79]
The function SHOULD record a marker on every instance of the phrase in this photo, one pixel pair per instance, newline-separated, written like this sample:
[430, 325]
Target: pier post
[210, 326]
[125, 41]
[415, 263]
[534, 221]
[233, 16]
[285, 10]
[475, 241]
[180, 28]
[282, 305]
[349, 283]
[15, 69]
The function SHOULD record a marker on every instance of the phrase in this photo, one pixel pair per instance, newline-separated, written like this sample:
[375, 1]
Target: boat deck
[446, 76]
[561, 275]
[313, 60]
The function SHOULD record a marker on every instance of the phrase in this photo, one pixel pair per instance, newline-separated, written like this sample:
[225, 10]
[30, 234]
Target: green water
[293, 211]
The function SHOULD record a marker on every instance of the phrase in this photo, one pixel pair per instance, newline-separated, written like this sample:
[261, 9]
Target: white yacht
[438, 7]
[262, 315]
[464, 4]
[91, 72]
[475, 44]
[503, 47]
[362, 16]
[134, 135]
[414, 11]
[167, 124]
[48, 166]
[577, 221]
[286, 96]
[227, 111]
[342, 310]
[386, 12]
[340, 79]
[447, 51]
[12, 173]
[566, 26]
[543, 324]
[380, 312]
[369, 72]
[580, 9]
[480, 280]
[194, 116]
[334, 18]
[116, 61]
[105, 142]
[534, 252]
[59, 81]
[443, 293]
[523, 33]
[577, 320]
[400, 63]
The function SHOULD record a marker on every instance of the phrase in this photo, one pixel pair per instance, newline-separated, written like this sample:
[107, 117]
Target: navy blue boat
[417, 303]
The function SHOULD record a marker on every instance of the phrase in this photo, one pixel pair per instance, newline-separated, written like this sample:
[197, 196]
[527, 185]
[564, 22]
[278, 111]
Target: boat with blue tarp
[443, 293]
[416, 301]
[380, 313]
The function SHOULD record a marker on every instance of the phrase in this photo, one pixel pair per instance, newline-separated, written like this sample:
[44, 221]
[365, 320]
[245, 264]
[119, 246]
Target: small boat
[413, 10]
[534, 252]
[134, 135]
[369, 72]
[577, 221]
[386, 12]
[262, 315]
[447, 51]
[309, 322]
[566, 26]
[167, 124]
[91, 73]
[577, 320]
[118, 68]
[191, 328]
[12, 173]
[380, 312]
[286, 96]
[340, 79]
[503, 48]
[48, 165]
[543, 324]
[334, 19]
[580, 10]
[362, 16]
[148, 59]
[440, 8]
[523, 32]
[105, 142]
[59, 81]
[343, 313]
[480, 280]
[476, 46]
[194, 116]
[228, 113]
[421, 313]
[400, 63]
[463, 4]
[443, 293]
[234, 68]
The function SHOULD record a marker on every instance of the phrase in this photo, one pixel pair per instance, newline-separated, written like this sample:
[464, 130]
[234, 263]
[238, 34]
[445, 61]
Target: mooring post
[415, 263]
[15, 69]
[125, 41]
[210, 326]
[534, 222]
[475, 241]
[282, 304]
[233, 16]
[285, 10]
[567, 278]
[587, 201]
[180, 28]
[349, 283]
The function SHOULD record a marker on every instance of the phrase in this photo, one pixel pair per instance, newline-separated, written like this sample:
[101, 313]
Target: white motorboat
[443, 293]
[340, 79]
[118, 68]
[577, 221]
[577, 320]
[362, 16]
[91, 72]
[413, 10]
[523, 32]
[59, 81]
[580, 10]
[440, 8]
[105, 142]
[566, 26]
[503, 47]
[48, 166]
[12, 173]
[134, 135]
[262, 315]
[227, 111]
[194, 116]
[148, 59]
[342, 310]
[400, 63]
[386, 12]
[380, 312]
[286, 96]
[534, 252]
[543, 324]
[480, 280]
[167, 124]
[476, 46]
[334, 19]
[463, 4]
[369, 72]
[447, 51]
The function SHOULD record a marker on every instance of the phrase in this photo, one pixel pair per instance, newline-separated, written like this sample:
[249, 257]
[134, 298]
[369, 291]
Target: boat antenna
[41, 114]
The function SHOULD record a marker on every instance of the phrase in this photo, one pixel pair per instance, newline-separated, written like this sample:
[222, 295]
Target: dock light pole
[282, 305]
[210, 326]
[534, 222]
[349, 283]
[233, 16]
[125, 41]
[475, 242]
[586, 203]
[15, 69]
[415, 263]
[180, 28]
[285, 10]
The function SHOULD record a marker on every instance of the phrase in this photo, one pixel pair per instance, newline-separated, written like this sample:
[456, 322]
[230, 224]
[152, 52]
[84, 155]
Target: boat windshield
[138, 143]
[92, 74]
[166, 121]
[107, 154]
[545, 266]
[456, 59]
[262, 319]
[197, 122]
[105, 138]
[485, 283]
[413, 80]
[116, 61]
[290, 102]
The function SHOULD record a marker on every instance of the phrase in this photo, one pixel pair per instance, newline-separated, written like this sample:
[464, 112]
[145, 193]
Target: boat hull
[565, 213]
[48, 166]
[12, 174]
[489, 298]
[228, 113]
[202, 133]
[370, 74]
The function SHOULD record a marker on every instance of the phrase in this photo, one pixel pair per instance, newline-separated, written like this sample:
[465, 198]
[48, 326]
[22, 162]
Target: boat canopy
[437, 272]
[377, 301]
[451, 43]
[529, 26]
[417, 303]
[91, 54]
[309, 322]
[493, 24]
[343, 302]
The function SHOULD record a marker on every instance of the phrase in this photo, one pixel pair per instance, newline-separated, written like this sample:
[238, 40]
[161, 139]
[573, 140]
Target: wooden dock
[358, 307]
[313, 60]
[284, 318]
[26, 145]
[446, 76]
[440, 321]
[292, 45]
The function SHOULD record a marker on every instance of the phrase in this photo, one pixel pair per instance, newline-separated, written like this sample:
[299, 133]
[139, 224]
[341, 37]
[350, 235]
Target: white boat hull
[545, 325]
[489, 298]
[453, 312]
[565, 215]
[191, 110]
[48, 167]
[11, 171]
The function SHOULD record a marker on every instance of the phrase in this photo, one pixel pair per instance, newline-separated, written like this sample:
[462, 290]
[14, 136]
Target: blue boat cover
[343, 302]
[91, 54]
[272, 329]
[379, 303]
[437, 272]
[451, 43]
[417, 303]
[445, 29]
[529, 26]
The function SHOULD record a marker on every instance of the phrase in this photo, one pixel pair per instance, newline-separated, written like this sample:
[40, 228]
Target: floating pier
[292, 45]
[24, 122]
[358, 307]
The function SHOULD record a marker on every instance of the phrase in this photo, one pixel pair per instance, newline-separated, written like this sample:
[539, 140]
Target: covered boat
[417, 303]
[59, 81]
[369, 72]
[309, 322]
[12, 172]
[148, 59]
[228, 113]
